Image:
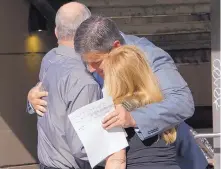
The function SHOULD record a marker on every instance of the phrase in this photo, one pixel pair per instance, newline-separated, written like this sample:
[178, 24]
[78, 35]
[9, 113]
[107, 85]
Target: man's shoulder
[49, 54]
[143, 43]
[64, 65]
[69, 77]
[135, 40]
[77, 80]
[152, 52]
[47, 57]
[72, 72]
[46, 61]
[51, 51]
[81, 75]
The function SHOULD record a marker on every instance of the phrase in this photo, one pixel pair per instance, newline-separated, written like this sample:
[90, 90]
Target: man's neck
[66, 43]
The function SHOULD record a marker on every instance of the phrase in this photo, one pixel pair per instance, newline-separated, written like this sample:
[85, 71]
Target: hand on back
[35, 99]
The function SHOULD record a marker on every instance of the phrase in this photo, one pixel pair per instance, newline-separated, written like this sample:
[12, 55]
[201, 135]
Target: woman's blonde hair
[129, 78]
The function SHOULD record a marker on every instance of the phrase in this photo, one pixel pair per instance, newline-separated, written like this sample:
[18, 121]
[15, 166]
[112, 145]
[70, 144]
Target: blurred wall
[20, 57]
[198, 77]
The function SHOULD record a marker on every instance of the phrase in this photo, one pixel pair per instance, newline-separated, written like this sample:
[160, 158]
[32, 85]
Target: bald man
[64, 76]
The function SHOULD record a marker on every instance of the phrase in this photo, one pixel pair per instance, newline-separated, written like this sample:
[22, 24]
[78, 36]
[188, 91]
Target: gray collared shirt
[70, 87]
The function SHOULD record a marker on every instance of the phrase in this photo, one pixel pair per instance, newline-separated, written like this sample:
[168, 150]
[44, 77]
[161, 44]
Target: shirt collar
[67, 51]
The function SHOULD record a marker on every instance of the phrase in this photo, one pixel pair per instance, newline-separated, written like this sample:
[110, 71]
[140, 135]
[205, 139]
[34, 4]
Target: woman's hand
[116, 160]
[119, 118]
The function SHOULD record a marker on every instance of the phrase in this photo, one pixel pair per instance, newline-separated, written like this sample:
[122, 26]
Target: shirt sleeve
[178, 102]
[29, 108]
[88, 94]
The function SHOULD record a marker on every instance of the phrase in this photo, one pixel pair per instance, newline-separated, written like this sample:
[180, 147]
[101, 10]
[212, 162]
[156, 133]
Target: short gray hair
[67, 24]
[96, 34]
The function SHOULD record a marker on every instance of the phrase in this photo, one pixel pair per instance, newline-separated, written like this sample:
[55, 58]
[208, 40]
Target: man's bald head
[68, 18]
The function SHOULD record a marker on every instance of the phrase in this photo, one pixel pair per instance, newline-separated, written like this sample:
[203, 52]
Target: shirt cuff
[30, 108]
[140, 135]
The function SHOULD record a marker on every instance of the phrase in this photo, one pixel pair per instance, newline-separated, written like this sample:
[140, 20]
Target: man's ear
[90, 68]
[116, 44]
[55, 32]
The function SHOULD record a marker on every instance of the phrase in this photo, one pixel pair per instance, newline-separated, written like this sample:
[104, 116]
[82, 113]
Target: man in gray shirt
[70, 86]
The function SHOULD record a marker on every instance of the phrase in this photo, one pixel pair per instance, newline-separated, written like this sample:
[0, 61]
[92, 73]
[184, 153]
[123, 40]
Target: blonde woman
[130, 81]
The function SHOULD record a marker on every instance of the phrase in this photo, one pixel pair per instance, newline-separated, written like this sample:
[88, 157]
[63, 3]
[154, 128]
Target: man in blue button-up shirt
[154, 118]
[97, 36]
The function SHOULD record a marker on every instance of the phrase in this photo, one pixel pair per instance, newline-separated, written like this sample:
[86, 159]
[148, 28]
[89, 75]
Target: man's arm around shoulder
[178, 102]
